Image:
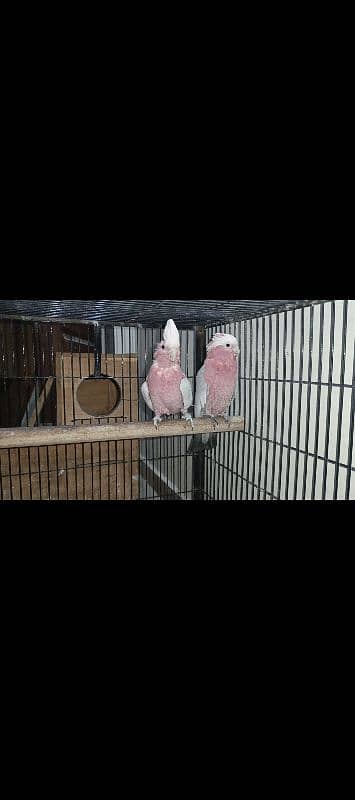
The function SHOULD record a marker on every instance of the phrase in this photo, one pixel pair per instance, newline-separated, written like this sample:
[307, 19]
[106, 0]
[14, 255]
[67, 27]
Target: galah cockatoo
[167, 390]
[216, 383]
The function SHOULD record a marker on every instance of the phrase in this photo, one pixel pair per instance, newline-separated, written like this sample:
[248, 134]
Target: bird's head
[168, 349]
[225, 341]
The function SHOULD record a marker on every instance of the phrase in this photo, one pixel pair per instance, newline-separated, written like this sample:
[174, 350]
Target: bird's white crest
[219, 339]
[171, 335]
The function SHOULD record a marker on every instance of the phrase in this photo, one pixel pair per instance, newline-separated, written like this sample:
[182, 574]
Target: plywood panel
[102, 470]
[72, 369]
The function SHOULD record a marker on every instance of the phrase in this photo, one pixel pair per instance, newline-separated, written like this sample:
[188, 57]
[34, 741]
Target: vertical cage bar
[115, 419]
[82, 446]
[53, 367]
[276, 405]
[261, 400]
[329, 399]
[124, 400]
[1, 486]
[45, 369]
[198, 459]
[74, 420]
[20, 472]
[91, 445]
[21, 385]
[310, 366]
[215, 452]
[24, 364]
[9, 371]
[162, 449]
[109, 340]
[247, 423]
[223, 469]
[48, 474]
[10, 474]
[319, 390]
[154, 443]
[268, 410]
[36, 366]
[351, 433]
[108, 333]
[253, 487]
[236, 439]
[29, 471]
[341, 398]
[130, 400]
[145, 416]
[285, 330]
[3, 373]
[35, 363]
[300, 387]
[230, 471]
[250, 404]
[292, 375]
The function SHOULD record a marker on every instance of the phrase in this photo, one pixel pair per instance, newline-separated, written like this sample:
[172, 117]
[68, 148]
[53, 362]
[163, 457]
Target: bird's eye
[227, 345]
[163, 347]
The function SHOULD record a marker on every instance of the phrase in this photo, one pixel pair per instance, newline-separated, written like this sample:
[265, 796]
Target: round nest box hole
[98, 397]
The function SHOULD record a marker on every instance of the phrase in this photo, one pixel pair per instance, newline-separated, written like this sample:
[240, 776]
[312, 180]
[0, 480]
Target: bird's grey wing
[186, 391]
[146, 395]
[201, 393]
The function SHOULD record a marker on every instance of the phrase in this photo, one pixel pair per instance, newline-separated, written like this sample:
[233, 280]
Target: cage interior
[295, 392]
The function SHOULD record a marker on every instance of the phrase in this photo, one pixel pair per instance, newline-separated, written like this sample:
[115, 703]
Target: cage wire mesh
[295, 390]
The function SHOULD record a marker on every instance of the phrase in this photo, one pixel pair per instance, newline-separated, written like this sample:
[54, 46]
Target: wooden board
[95, 471]
[71, 369]
[98, 471]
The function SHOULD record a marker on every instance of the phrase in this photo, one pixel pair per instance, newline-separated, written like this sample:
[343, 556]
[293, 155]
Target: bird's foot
[188, 418]
[215, 420]
[223, 417]
[156, 420]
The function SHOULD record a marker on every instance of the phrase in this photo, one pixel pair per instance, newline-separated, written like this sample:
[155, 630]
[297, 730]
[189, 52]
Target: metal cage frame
[296, 392]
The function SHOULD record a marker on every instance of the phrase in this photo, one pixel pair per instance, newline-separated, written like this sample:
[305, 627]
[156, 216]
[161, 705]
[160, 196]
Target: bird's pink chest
[164, 389]
[220, 376]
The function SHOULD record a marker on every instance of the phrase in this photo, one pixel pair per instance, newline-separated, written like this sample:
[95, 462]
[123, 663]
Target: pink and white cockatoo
[167, 390]
[216, 383]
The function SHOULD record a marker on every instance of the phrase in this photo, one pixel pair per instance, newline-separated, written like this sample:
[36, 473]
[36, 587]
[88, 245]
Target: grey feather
[146, 395]
[201, 393]
[186, 391]
[205, 441]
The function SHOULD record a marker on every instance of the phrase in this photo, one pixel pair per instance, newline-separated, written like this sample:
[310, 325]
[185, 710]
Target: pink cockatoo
[167, 390]
[216, 383]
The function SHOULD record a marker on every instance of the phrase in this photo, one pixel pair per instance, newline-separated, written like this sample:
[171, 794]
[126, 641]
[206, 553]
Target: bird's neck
[164, 362]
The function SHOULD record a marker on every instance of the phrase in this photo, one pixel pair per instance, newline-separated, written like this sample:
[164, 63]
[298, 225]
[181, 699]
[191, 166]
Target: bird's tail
[203, 441]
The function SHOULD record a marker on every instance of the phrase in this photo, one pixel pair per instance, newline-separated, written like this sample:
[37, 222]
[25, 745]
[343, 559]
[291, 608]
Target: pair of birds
[167, 390]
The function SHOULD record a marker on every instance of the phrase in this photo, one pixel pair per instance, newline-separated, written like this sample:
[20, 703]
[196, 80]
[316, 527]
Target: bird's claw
[156, 420]
[188, 418]
[224, 417]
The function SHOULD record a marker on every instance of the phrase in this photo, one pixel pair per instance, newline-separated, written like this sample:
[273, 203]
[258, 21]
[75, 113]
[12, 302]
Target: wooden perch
[37, 437]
